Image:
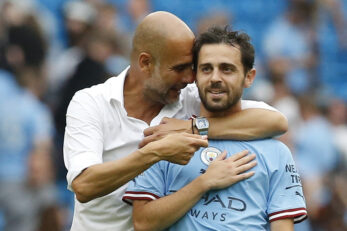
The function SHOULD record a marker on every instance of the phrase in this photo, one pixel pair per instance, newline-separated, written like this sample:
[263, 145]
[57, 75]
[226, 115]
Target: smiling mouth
[216, 92]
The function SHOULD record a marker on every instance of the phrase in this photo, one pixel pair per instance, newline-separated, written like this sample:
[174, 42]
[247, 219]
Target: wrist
[203, 183]
[149, 154]
[193, 129]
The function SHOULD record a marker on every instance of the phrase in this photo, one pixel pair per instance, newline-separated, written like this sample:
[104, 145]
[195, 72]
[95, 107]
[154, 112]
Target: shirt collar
[117, 87]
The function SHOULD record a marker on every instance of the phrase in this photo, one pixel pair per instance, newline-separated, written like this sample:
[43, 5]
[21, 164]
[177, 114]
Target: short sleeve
[247, 104]
[149, 185]
[83, 140]
[286, 198]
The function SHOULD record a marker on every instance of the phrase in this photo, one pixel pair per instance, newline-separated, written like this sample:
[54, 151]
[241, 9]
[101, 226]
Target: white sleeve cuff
[78, 163]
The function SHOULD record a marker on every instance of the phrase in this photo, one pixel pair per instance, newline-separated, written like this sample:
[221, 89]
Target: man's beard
[231, 101]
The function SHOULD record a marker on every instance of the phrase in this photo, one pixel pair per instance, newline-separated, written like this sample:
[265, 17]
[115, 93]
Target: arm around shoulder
[249, 124]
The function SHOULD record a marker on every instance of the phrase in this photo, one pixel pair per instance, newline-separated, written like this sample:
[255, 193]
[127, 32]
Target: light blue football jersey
[273, 193]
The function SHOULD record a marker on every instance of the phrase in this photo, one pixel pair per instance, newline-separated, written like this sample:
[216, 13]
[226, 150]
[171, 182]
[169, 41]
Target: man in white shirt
[105, 123]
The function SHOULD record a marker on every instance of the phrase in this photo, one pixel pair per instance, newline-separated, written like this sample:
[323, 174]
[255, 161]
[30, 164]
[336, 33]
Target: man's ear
[250, 76]
[145, 62]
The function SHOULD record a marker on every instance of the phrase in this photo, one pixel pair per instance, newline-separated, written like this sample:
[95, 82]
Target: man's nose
[215, 76]
[188, 76]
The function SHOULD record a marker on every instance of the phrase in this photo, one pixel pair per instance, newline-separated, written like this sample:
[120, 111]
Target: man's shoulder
[270, 145]
[99, 91]
[264, 147]
[112, 88]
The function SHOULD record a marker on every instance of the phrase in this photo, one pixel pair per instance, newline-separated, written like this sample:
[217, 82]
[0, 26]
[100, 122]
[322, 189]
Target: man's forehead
[219, 53]
[179, 58]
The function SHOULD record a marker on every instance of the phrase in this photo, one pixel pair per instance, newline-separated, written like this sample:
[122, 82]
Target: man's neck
[136, 105]
[206, 113]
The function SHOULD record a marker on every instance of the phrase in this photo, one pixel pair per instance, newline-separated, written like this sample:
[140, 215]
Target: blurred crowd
[49, 49]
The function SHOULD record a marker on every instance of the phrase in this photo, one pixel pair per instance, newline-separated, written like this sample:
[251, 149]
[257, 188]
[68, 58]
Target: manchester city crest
[209, 154]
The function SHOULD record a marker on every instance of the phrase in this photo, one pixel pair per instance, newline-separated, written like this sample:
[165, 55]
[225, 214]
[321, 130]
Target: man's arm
[88, 176]
[282, 225]
[248, 124]
[101, 179]
[161, 213]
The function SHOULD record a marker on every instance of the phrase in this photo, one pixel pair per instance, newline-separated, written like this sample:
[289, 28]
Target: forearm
[282, 225]
[101, 179]
[162, 213]
[248, 124]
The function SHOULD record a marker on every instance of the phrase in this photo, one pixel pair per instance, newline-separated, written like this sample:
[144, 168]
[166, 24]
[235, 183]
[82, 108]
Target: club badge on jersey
[209, 154]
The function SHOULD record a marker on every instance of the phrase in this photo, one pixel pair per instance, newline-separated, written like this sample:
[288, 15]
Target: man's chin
[171, 100]
[173, 97]
[216, 107]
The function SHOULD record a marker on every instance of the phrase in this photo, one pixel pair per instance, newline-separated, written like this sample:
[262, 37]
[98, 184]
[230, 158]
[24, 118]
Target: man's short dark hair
[217, 35]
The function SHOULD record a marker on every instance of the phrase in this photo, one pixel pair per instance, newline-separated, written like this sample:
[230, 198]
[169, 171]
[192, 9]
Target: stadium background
[52, 48]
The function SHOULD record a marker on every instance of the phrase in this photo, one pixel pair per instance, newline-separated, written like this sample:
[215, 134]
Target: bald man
[105, 123]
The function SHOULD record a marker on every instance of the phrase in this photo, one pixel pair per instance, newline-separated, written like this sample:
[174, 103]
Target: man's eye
[181, 68]
[206, 69]
[227, 69]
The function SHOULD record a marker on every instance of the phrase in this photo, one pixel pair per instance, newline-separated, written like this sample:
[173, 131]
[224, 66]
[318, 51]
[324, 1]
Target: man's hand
[166, 126]
[223, 172]
[176, 148]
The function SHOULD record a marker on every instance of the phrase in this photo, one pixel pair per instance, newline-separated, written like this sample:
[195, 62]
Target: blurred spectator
[99, 46]
[24, 47]
[336, 211]
[25, 124]
[108, 19]
[137, 10]
[289, 45]
[26, 171]
[213, 18]
[335, 10]
[337, 114]
[79, 19]
[286, 103]
[316, 157]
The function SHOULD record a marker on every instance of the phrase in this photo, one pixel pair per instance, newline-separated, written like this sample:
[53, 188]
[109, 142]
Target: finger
[181, 162]
[245, 167]
[221, 156]
[200, 143]
[239, 155]
[195, 140]
[142, 144]
[205, 137]
[164, 120]
[244, 176]
[245, 160]
[149, 131]
[147, 140]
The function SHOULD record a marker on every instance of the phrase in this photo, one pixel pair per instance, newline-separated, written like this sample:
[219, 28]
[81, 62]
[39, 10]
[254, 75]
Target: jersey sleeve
[286, 198]
[149, 185]
[247, 104]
